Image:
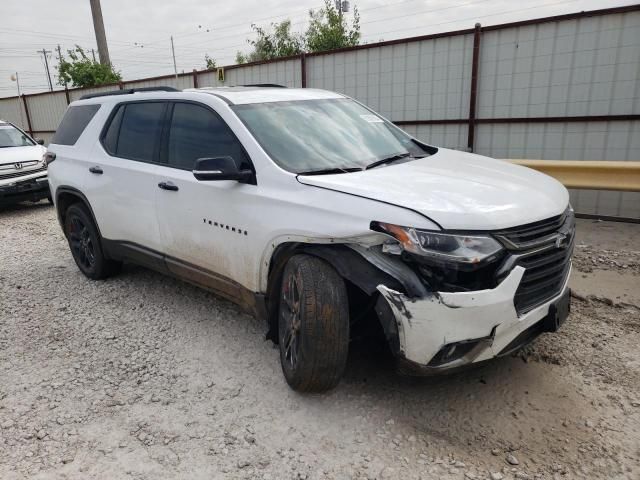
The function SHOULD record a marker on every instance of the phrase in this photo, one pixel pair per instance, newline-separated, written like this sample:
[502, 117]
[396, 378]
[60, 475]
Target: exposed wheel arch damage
[363, 268]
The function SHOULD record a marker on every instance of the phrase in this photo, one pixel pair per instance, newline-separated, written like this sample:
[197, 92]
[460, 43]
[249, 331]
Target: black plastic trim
[249, 301]
[128, 91]
[74, 191]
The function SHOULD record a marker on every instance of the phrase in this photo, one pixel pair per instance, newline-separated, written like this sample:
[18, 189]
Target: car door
[122, 175]
[204, 225]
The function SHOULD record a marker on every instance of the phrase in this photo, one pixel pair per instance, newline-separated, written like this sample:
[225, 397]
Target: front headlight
[459, 248]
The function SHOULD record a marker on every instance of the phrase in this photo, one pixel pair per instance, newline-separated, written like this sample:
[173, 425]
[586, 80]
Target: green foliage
[211, 62]
[329, 30]
[241, 57]
[81, 71]
[277, 42]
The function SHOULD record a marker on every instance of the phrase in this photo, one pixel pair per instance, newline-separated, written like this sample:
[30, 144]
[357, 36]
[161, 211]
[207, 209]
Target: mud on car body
[315, 213]
[23, 171]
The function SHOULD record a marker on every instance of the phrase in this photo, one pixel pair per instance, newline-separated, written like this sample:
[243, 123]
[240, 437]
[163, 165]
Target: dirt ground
[145, 377]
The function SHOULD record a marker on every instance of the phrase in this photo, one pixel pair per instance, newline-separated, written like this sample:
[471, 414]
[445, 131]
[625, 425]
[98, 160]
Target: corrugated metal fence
[557, 88]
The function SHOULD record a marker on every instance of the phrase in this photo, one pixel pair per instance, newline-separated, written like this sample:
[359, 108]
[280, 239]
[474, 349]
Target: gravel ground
[145, 377]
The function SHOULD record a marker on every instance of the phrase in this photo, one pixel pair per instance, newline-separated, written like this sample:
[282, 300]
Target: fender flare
[82, 199]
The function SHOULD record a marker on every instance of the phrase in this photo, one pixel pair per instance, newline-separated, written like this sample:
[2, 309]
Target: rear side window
[197, 132]
[73, 123]
[134, 131]
[110, 139]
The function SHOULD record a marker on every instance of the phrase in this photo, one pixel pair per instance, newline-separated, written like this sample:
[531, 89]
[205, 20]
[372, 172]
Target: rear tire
[313, 327]
[84, 243]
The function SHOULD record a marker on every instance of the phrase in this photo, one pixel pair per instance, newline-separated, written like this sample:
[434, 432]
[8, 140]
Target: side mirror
[220, 168]
[39, 141]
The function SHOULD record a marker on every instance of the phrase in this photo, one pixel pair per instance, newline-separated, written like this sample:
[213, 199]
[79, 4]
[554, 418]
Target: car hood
[21, 154]
[457, 190]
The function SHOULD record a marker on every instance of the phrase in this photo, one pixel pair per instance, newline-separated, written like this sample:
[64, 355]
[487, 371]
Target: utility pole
[46, 66]
[60, 63]
[173, 52]
[101, 38]
[16, 79]
[343, 7]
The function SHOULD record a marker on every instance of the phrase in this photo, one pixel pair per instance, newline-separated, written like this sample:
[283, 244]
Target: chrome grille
[21, 173]
[544, 249]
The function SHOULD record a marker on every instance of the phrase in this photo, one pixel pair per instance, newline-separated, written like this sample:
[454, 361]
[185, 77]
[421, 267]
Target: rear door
[203, 223]
[122, 176]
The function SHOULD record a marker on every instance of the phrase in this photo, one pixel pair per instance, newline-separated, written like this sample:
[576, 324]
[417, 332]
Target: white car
[23, 172]
[315, 213]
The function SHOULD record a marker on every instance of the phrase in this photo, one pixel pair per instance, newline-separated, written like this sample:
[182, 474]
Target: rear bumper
[447, 330]
[33, 190]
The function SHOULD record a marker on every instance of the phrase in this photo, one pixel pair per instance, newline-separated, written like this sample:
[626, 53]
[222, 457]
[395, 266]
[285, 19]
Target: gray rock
[68, 458]
[511, 459]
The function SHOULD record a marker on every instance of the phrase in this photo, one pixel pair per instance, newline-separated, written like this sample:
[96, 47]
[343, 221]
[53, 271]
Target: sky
[138, 31]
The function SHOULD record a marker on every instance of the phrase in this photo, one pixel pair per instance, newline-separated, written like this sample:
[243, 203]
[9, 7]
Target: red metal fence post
[303, 69]
[474, 87]
[195, 78]
[66, 94]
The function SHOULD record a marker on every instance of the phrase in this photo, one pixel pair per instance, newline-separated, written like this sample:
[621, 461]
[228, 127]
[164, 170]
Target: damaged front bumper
[445, 330]
[32, 190]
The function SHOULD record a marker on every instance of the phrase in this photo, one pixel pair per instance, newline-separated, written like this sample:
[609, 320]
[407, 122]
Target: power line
[46, 66]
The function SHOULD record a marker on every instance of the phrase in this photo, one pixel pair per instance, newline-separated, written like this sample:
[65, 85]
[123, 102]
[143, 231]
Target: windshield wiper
[392, 158]
[329, 171]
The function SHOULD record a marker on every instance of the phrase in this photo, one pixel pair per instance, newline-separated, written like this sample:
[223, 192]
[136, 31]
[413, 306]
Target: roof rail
[128, 91]
[274, 85]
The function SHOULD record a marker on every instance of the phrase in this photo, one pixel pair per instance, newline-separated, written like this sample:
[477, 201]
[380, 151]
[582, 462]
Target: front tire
[313, 326]
[85, 245]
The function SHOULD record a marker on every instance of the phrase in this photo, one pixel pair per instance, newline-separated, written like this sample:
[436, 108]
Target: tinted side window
[73, 123]
[140, 130]
[197, 132]
[110, 139]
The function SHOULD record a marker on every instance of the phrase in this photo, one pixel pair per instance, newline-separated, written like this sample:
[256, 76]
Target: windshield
[308, 136]
[12, 137]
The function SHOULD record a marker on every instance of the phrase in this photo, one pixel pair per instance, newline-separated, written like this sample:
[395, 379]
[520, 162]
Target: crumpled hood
[21, 154]
[457, 190]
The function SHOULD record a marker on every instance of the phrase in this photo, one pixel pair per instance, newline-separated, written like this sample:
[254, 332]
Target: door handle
[168, 186]
[97, 170]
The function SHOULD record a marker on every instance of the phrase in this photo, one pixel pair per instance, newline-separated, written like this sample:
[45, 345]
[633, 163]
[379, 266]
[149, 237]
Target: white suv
[23, 171]
[313, 212]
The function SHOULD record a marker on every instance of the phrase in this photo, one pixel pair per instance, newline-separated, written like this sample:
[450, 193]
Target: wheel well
[67, 198]
[360, 276]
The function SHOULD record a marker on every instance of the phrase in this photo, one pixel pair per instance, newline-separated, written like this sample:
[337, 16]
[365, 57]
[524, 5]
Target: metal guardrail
[590, 175]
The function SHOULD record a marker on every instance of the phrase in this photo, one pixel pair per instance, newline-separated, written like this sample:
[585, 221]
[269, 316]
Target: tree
[81, 71]
[211, 62]
[328, 29]
[273, 43]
